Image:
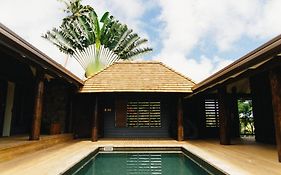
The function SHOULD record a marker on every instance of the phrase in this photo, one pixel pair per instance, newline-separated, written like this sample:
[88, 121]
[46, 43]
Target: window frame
[211, 112]
[149, 117]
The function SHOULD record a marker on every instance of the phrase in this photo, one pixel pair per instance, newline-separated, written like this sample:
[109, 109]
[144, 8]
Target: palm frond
[135, 53]
[125, 34]
[56, 37]
[129, 43]
[140, 42]
[87, 30]
[92, 42]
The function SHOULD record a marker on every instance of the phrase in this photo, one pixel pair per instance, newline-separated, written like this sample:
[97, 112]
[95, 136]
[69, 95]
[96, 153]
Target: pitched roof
[14, 42]
[263, 54]
[138, 77]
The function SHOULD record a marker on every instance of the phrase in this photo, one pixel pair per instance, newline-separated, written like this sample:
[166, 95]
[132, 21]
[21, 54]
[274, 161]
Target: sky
[194, 37]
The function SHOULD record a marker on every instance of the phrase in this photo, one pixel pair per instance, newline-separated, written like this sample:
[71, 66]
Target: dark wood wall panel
[13, 70]
[120, 113]
[83, 108]
[119, 129]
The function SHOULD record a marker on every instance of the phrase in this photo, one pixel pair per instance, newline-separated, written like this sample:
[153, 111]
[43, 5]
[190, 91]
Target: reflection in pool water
[141, 164]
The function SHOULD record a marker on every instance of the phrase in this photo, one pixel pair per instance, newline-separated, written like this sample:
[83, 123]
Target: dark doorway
[83, 110]
[22, 109]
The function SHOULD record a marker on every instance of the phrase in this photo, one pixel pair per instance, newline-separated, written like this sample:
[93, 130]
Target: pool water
[141, 164]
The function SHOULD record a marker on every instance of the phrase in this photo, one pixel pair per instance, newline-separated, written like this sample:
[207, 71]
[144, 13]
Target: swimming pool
[168, 162]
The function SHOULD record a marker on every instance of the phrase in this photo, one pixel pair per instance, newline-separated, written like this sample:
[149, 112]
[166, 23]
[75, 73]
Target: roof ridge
[180, 74]
[137, 62]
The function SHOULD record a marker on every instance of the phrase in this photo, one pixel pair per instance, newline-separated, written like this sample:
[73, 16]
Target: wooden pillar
[180, 121]
[95, 122]
[234, 114]
[38, 105]
[275, 82]
[70, 112]
[262, 108]
[224, 117]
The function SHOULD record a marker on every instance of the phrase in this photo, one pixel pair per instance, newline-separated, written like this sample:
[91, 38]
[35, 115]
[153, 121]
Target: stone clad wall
[56, 102]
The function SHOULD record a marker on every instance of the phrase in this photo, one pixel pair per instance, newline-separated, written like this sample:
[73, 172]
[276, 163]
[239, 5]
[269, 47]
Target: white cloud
[221, 22]
[267, 22]
[127, 11]
[32, 18]
[196, 69]
[187, 24]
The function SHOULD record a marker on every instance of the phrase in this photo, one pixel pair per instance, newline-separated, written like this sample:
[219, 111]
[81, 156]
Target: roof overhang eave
[19, 45]
[252, 60]
[134, 91]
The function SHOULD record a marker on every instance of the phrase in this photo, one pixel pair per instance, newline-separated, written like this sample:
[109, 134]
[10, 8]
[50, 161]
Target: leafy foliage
[245, 110]
[82, 29]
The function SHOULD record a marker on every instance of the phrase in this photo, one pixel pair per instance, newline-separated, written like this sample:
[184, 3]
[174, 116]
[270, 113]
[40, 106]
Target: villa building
[136, 99]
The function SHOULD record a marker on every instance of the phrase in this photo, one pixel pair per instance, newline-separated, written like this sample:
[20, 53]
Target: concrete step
[16, 146]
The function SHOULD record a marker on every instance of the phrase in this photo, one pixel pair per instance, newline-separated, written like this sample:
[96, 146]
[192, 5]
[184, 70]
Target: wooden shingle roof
[137, 77]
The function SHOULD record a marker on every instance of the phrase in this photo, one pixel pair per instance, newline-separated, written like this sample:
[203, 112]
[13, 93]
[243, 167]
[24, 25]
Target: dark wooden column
[95, 122]
[70, 110]
[275, 82]
[180, 121]
[224, 117]
[38, 105]
[262, 108]
[234, 113]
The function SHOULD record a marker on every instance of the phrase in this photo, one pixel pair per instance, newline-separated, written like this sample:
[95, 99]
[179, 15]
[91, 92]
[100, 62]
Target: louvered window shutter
[212, 113]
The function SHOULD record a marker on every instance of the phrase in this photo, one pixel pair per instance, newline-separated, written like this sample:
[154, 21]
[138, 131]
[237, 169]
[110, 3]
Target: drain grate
[108, 148]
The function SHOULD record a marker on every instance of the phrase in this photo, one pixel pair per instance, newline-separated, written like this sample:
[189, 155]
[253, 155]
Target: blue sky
[196, 38]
